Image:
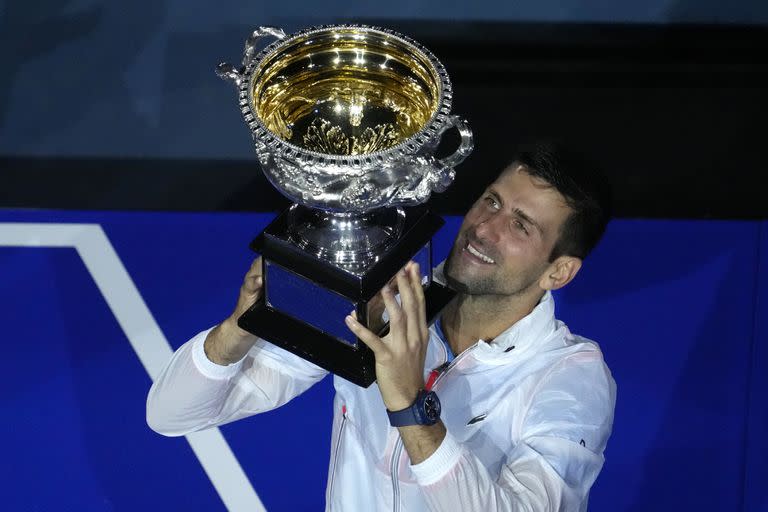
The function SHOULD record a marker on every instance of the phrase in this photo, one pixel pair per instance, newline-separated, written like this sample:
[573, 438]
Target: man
[527, 407]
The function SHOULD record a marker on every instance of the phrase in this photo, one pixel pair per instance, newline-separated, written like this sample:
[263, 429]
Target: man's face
[505, 240]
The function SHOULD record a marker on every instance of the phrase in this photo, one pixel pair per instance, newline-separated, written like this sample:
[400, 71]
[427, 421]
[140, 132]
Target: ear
[560, 272]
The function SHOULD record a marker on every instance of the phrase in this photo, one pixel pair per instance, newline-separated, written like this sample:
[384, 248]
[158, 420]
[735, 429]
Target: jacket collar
[530, 332]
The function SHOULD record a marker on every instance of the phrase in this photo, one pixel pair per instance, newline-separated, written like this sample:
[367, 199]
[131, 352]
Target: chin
[454, 283]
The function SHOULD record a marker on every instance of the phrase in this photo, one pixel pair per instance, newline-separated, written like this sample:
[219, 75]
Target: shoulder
[577, 389]
[580, 365]
[572, 351]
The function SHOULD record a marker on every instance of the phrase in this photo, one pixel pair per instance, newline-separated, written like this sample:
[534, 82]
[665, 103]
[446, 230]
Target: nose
[488, 227]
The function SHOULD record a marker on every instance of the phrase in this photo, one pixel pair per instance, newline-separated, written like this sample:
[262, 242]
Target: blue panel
[443, 239]
[671, 305]
[72, 420]
[309, 302]
[321, 308]
[756, 488]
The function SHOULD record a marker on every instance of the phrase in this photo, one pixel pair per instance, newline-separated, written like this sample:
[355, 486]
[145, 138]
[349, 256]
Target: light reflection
[360, 57]
[355, 113]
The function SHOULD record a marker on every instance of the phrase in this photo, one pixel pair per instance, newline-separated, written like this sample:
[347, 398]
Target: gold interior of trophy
[345, 91]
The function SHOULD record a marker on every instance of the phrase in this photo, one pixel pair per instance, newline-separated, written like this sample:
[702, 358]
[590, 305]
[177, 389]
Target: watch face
[432, 406]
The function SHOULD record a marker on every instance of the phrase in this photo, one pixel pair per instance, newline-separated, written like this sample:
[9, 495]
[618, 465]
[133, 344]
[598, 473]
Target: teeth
[480, 255]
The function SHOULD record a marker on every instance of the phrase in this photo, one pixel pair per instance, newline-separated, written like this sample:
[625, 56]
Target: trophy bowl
[345, 120]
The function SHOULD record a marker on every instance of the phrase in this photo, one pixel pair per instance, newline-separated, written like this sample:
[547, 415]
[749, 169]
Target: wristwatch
[425, 410]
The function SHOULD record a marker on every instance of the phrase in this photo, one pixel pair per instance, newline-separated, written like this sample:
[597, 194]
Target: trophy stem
[352, 241]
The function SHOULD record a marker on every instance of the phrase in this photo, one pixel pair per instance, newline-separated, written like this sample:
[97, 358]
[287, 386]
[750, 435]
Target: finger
[404, 289]
[255, 269]
[394, 311]
[253, 280]
[410, 305]
[393, 283]
[253, 284]
[418, 292]
[366, 336]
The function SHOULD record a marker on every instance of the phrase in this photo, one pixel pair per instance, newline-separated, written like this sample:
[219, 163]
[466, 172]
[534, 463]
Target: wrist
[422, 441]
[402, 400]
[227, 343]
[234, 332]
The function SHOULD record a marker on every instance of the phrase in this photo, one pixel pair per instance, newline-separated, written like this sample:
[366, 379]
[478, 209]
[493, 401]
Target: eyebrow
[517, 211]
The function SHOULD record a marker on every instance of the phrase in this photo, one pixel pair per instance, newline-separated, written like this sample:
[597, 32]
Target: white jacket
[528, 417]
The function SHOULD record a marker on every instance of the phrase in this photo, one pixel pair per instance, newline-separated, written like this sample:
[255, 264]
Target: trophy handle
[465, 146]
[250, 44]
[442, 173]
[227, 71]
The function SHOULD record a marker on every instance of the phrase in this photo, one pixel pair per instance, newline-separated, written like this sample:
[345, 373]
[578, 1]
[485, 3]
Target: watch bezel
[430, 407]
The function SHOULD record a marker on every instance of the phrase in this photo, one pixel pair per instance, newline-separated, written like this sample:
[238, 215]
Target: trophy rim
[431, 129]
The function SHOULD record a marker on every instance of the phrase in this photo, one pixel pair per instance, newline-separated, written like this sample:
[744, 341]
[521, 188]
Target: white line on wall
[143, 333]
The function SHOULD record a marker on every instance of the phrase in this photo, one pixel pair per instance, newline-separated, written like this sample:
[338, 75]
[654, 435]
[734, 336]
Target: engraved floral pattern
[324, 137]
[375, 139]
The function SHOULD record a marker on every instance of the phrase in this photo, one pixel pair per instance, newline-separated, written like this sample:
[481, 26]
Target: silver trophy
[346, 120]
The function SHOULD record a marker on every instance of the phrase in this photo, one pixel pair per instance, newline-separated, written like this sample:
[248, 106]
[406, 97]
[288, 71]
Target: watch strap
[415, 414]
[404, 417]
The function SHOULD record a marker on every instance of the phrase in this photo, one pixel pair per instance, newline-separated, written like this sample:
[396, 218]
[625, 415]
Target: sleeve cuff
[208, 367]
[439, 463]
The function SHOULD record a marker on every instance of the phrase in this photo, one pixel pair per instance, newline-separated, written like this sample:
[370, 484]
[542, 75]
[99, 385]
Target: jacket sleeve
[554, 462]
[192, 393]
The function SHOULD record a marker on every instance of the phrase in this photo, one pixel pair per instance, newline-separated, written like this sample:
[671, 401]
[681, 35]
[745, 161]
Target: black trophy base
[354, 364]
[306, 298]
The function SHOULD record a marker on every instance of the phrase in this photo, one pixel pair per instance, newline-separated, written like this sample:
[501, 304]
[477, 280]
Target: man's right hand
[227, 343]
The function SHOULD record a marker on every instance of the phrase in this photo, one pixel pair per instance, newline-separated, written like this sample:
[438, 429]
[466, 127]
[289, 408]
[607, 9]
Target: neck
[469, 318]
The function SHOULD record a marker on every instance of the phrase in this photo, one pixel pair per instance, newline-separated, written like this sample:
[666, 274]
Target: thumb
[253, 284]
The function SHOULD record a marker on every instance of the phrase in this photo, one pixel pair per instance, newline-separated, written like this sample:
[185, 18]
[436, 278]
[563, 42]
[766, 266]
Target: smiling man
[497, 406]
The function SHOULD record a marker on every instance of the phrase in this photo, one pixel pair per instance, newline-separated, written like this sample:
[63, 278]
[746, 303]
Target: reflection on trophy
[346, 121]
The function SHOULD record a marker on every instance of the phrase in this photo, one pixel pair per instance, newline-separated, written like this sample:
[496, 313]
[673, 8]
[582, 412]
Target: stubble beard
[491, 284]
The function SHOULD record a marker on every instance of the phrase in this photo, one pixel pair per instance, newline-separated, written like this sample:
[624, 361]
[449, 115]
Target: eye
[520, 226]
[490, 201]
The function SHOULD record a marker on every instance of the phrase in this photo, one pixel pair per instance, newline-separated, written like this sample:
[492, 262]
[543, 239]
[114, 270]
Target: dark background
[117, 107]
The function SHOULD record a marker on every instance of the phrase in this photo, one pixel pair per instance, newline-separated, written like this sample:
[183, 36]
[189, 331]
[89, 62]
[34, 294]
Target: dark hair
[583, 185]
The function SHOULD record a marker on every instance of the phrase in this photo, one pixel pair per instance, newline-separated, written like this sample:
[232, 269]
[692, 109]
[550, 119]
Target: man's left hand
[400, 354]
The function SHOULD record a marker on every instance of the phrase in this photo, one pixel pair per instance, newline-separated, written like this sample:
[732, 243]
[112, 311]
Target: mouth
[476, 255]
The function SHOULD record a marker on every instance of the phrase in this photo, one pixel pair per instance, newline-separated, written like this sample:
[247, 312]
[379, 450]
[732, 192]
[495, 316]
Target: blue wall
[679, 308]
[113, 79]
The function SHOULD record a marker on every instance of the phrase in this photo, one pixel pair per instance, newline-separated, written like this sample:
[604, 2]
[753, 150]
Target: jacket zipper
[336, 453]
[398, 450]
